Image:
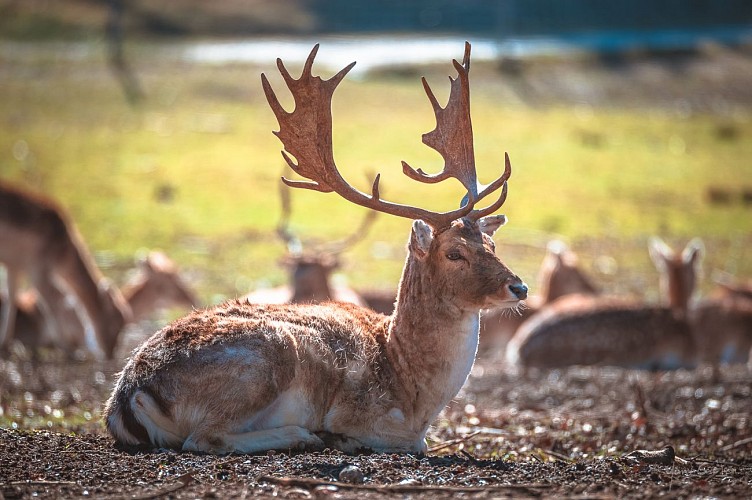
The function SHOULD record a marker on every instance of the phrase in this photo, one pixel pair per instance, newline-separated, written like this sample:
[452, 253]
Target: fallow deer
[241, 377]
[559, 275]
[726, 286]
[38, 239]
[723, 324]
[310, 269]
[156, 285]
[614, 331]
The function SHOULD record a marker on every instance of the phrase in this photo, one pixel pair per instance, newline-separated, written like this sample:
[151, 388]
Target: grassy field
[194, 169]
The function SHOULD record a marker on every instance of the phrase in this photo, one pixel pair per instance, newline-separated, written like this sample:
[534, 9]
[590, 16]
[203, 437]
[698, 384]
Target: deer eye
[454, 255]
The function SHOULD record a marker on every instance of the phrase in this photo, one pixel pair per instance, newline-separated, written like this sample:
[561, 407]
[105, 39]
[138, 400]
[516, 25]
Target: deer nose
[519, 290]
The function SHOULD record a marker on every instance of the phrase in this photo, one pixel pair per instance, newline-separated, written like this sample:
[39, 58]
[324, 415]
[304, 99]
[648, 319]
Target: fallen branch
[309, 484]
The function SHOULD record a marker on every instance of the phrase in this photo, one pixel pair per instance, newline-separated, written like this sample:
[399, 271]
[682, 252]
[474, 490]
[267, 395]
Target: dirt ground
[550, 433]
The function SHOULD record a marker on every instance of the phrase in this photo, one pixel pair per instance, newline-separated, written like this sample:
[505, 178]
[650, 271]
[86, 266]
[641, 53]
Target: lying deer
[727, 287]
[559, 275]
[723, 324]
[242, 377]
[614, 331]
[310, 271]
[156, 285]
[38, 240]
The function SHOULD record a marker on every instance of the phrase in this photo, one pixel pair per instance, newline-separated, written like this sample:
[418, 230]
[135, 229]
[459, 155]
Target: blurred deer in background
[311, 270]
[726, 286]
[723, 324]
[614, 331]
[243, 377]
[38, 241]
[559, 275]
[156, 285]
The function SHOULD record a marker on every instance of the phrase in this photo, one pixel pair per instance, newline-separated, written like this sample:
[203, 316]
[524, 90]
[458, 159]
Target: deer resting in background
[614, 331]
[156, 285]
[310, 271]
[38, 240]
[722, 324]
[241, 377]
[559, 275]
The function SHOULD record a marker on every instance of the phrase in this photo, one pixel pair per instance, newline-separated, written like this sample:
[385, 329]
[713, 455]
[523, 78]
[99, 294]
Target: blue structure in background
[603, 25]
[527, 17]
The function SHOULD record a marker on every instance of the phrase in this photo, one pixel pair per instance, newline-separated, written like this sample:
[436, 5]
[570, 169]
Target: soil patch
[545, 433]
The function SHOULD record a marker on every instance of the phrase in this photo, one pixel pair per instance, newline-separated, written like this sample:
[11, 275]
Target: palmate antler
[306, 134]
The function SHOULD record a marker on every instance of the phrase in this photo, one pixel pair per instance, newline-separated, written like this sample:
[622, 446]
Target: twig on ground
[452, 442]
[719, 462]
[558, 456]
[40, 482]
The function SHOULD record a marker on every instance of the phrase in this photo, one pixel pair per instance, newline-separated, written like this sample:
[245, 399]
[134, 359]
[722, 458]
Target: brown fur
[605, 331]
[723, 328]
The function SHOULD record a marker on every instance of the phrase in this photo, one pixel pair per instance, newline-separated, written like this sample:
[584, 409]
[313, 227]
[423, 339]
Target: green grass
[602, 179]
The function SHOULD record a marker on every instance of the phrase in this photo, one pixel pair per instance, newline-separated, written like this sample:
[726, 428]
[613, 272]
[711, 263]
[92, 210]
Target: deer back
[600, 331]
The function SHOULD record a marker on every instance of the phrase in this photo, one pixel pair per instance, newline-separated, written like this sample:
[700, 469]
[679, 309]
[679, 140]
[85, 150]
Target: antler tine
[453, 135]
[453, 139]
[501, 182]
[306, 134]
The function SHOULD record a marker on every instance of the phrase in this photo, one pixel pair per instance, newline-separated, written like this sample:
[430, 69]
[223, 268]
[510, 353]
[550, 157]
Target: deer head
[561, 275]
[678, 271]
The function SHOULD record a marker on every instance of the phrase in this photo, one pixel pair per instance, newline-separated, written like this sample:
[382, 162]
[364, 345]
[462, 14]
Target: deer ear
[659, 252]
[420, 239]
[693, 251]
[490, 224]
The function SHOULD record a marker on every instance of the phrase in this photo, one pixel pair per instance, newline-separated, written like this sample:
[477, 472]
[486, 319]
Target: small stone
[351, 474]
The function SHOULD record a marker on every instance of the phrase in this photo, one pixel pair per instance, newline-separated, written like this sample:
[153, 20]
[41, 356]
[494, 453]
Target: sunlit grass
[194, 170]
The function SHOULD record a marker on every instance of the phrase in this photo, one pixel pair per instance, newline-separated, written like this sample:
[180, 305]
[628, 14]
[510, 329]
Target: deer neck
[431, 345]
[312, 291]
